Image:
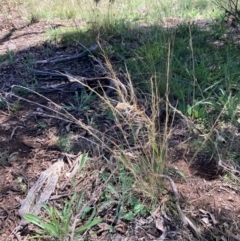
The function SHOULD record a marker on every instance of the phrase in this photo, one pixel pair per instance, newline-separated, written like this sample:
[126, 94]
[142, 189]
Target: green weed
[3, 103]
[58, 223]
[64, 142]
[6, 158]
[33, 18]
[81, 101]
[42, 124]
[10, 55]
[16, 106]
[118, 192]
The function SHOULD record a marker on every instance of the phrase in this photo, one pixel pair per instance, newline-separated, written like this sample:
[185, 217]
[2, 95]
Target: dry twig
[186, 221]
[55, 60]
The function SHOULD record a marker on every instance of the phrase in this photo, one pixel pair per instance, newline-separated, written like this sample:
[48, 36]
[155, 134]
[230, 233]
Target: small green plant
[58, 223]
[29, 60]
[6, 158]
[10, 57]
[231, 104]
[22, 92]
[16, 106]
[22, 184]
[81, 102]
[3, 103]
[64, 142]
[33, 18]
[42, 124]
[120, 194]
[135, 209]
[197, 111]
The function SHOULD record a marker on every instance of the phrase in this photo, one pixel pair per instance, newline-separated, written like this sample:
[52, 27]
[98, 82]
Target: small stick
[183, 217]
[93, 48]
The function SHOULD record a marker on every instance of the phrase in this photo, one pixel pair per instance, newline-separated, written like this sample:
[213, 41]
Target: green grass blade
[88, 225]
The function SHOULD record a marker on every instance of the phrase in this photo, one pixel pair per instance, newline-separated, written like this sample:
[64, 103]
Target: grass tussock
[137, 139]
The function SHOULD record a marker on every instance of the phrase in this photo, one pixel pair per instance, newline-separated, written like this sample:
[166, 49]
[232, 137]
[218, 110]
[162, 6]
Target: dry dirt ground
[28, 146]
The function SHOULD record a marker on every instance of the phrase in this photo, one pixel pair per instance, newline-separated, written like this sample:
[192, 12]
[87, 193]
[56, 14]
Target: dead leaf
[41, 191]
[124, 106]
[68, 126]
[203, 211]
[205, 220]
[103, 226]
[213, 219]
[160, 225]
[14, 130]
[121, 227]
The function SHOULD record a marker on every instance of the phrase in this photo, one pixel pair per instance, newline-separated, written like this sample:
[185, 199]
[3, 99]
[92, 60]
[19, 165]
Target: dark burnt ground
[29, 143]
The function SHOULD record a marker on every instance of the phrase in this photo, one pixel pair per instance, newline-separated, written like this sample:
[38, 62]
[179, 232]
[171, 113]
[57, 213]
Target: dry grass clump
[136, 138]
